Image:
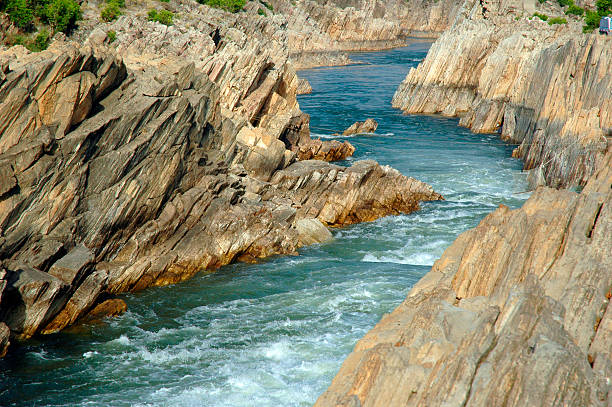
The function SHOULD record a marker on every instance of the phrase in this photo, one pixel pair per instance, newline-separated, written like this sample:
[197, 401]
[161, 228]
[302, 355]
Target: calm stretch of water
[275, 334]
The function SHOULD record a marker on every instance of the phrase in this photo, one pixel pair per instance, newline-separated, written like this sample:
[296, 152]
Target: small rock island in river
[139, 147]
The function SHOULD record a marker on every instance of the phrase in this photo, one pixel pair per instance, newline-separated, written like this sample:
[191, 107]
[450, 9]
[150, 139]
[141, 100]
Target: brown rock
[369, 126]
[547, 89]
[30, 299]
[304, 87]
[166, 154]
[5, 333]
[513, 313]
[109, 308]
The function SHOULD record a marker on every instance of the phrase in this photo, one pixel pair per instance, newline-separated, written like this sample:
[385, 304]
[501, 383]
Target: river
[275, 333]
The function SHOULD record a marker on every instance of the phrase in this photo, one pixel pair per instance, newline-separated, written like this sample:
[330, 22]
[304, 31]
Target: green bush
[162, 16]
[575, 10]
[542, 17]
[565, 2]
[591, 21]
[20, 13]
[557, 20]
[39, 43]
[111, 35]
[261, 12]
[110, 12]
[604, 7]
[232, 6]
[63, 14]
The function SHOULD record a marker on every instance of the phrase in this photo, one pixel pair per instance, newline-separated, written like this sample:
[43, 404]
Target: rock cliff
[547, 88]
[318, 31]
[516, 312]
[174, 150]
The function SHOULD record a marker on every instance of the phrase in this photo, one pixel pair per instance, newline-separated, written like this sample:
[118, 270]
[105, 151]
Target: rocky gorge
[546, 88]
[515, 312]
[178, 149]
[182, 148]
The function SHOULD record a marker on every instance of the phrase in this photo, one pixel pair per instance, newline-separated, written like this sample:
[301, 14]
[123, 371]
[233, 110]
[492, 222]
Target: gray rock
[71, 267]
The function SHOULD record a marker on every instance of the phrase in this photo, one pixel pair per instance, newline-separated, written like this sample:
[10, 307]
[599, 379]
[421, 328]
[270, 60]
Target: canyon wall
[319, 31]
[547, 88]
[516, 312]
[175, 149]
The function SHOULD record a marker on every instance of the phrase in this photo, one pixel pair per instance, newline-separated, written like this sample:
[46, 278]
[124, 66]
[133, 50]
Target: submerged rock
[515, 312]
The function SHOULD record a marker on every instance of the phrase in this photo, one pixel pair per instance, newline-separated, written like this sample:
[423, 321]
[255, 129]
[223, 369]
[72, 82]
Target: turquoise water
[275, 333]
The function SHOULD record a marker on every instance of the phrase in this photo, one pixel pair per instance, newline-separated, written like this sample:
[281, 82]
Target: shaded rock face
[516, 312]
[547, 88]
[177, 152]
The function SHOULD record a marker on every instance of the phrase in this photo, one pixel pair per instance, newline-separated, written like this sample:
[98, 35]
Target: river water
[275, 333]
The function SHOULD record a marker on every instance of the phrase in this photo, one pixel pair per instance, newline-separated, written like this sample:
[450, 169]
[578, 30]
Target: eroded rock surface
[176, 151]
[516, 312]
[320, 30]
[547, 87]
[368, 126]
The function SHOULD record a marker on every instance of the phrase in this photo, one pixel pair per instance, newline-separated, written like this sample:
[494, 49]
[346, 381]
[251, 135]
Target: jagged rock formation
[304, 87]
[318, 30]
[547, 87]
[516, 312]
[139, 166]
[368, 126]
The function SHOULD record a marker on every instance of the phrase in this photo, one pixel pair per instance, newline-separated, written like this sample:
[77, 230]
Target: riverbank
[545, 87]
[275, 332]
[170, 151]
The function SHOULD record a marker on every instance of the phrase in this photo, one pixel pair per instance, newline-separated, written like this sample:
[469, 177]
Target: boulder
[304, 87]
[369, 126]
[311, 231]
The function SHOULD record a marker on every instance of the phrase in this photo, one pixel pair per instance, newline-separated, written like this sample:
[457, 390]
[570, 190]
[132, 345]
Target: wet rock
[5, 333]
[109, 308]
[519, 301]
[369, 126]
[30, 299]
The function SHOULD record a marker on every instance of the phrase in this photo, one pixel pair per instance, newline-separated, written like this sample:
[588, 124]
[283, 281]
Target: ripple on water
[275, 333]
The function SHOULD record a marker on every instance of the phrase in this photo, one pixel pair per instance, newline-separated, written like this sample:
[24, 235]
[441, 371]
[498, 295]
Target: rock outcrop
[304, 87]
[320, 30]
[177, 151]
[516, 312]
[546, 87]
[369, 126]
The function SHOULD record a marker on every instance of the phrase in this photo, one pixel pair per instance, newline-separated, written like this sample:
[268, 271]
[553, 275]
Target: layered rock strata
[368, 126]
[172, 153]
[319, 30]
[547, 88]
[516, 312]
